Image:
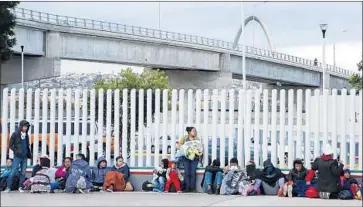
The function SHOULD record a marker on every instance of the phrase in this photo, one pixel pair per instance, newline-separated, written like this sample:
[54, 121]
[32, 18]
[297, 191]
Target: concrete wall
[31, 39]
[124, 51]
[34, 68]
[275, 71]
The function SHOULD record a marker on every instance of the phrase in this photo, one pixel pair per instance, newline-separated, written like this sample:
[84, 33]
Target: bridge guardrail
[31, 15]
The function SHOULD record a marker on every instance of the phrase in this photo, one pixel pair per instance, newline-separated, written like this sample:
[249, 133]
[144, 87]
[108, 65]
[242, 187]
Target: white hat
[328, 150]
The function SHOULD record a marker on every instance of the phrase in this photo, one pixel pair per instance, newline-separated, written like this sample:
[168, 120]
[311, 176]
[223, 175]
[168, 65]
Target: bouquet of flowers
[192, 149]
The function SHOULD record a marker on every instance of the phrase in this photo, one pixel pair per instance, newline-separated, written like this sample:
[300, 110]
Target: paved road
[160, 199]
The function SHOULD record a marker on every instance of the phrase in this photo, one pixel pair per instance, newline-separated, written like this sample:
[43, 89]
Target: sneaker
[289, 191]
[156, 190]
[109, 190]
[81, 191]
[7, 190]
[209, 191]
[179, 191]
[21, 190]
[166, 191]
[218, 190]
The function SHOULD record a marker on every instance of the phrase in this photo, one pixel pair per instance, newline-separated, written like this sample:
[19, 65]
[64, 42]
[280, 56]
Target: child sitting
[98, 173]
[5, 174]
[159, 177]
[7, 170]
[296, 184]
[174, 177]
[349, 186]
[44, 179]
[116, 178]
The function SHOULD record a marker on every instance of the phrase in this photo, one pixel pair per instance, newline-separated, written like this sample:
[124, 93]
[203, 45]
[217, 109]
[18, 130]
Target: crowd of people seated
[326, 179]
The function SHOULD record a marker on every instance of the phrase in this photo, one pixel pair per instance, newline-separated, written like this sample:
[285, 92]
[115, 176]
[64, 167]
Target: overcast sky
[293, 26]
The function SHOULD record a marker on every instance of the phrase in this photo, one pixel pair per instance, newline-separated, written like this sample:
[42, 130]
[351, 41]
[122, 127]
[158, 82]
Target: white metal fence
[231, 124]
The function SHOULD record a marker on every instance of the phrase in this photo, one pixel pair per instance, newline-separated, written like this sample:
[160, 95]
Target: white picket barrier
[239, 125]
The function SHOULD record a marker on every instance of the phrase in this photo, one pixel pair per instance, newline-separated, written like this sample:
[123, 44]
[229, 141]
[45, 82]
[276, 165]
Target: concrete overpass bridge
[190, 61]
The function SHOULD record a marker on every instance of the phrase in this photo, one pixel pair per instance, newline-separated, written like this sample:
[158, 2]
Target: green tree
[356, 80]
[7, 35]
[153, 79]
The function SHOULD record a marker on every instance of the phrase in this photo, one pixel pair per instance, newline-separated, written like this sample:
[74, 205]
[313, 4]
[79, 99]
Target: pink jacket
[60, 173]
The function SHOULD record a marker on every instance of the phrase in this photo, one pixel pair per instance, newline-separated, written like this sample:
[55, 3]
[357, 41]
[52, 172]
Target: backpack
[15, 183]
[235, 179]
[345, 195]
[40, 183]
[147, 186]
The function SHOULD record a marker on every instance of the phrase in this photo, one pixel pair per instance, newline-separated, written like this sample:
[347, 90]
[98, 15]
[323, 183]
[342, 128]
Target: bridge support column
[52, 45]
[193, 79]
[327, 81]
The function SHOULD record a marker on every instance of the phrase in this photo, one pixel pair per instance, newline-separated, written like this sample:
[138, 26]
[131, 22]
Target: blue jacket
[6, 172]
[78, 168]
[98, 174]
[124, 170]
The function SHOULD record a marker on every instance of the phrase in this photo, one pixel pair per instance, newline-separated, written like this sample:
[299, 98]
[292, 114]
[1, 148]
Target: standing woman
[192, 148]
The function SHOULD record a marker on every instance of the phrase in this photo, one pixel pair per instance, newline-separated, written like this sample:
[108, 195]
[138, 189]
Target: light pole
[243, 49]
[22, 66]
[323, 28]
[159, 13]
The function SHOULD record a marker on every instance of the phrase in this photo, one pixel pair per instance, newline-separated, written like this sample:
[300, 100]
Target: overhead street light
[323, 28]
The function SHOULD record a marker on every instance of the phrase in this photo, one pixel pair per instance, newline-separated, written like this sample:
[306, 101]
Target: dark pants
[190, 173]
[18, 162]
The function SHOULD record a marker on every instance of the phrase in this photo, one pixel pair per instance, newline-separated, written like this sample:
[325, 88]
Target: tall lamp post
[243, 49]
[22, 66]
[323, 28]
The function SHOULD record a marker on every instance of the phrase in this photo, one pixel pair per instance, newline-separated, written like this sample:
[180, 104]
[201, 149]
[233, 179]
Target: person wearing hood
[349, 184]
[329, 171]
[253, 175]
[296, 185]
[99, 172]
[116, 178]
[79, 177]
[19, 144]
[272, 179]
[212, 178]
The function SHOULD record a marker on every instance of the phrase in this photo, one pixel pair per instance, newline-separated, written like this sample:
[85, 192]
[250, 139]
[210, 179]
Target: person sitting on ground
[253, 176]
[296, 184]
[349, 186]
[116, 178]
[159, 176]
[62, 171]
[233, 165]
[79, 178]
[44, 179]
[37, 167]
[98, 173]
[231, 181]
[329, 171]
[272, 179]
[173, 176]
[212, 178]
[5, 174]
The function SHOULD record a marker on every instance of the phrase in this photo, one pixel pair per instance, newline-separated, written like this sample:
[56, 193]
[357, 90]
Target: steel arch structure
[264, 28]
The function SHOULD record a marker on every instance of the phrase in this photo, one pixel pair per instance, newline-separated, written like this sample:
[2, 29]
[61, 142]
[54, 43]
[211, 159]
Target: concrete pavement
[160, 199]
